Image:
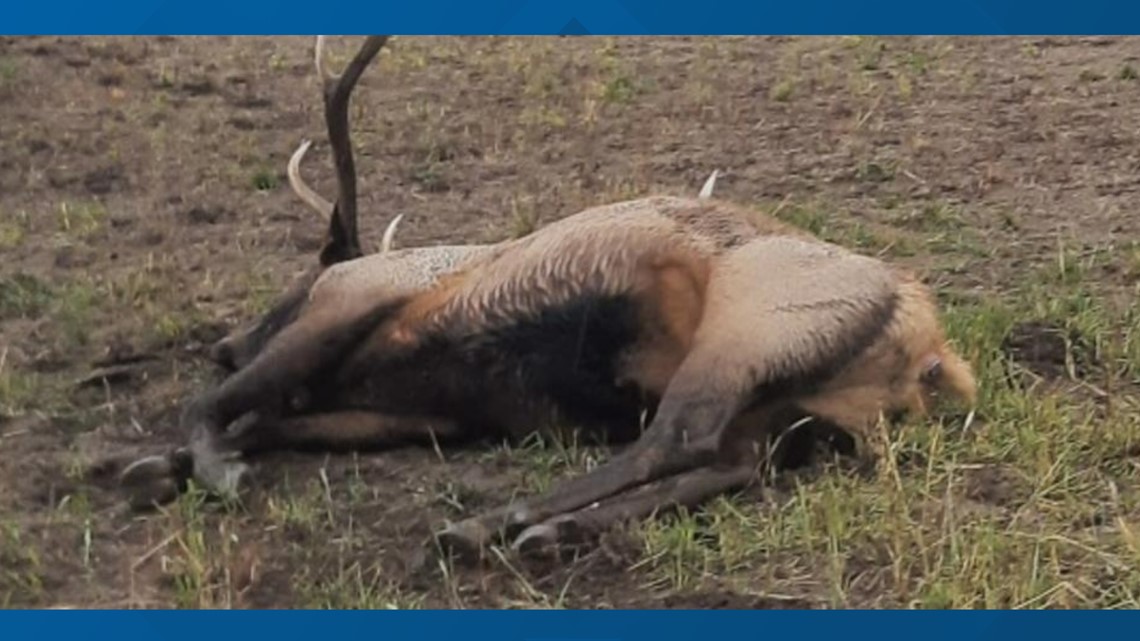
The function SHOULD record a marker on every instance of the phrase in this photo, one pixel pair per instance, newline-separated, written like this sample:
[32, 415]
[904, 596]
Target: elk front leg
[159, 479]
[320, 338]
[343, 431]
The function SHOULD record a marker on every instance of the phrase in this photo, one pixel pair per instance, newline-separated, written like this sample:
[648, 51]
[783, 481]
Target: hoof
[226, 478]
[537, 540]
[545, 538]
[154, 480]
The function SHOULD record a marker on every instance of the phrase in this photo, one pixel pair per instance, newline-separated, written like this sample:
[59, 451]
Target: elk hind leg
[684, 490]
[750, 443]
[684, 435]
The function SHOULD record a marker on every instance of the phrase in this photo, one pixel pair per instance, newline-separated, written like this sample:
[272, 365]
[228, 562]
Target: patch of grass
[1131, 260]
[10, 235]
[21, 390]
[430, 176]
[875, 171]
[542, 117]
[69, 305]
[863, 237]
[1090, 75]
[950, 533]
[854, 235]
[960, 245]
[260, 292]
[811, 219]
[431, 172]
[277, 62]
[206, 562]
[356, 588]
[81, 219]
[20, 582]
[932, 217]
[543, 459]
[152, 295]
[23, 296]
[76, 511]
[917, 62]
[524, 218]
[620, 89]
[299, 509]
[1127, 72]
[9, 70]
[782, 91]
[265, 180]
[943, 229]
[869, 52]
[904, 85]
[618, 84]
[14, 228]
[165, 76]
[1130, 352]
[171, 326]
[73, 306]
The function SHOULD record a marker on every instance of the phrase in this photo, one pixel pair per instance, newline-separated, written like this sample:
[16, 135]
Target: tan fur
[776, 298]
[671, 312]
[887, 377]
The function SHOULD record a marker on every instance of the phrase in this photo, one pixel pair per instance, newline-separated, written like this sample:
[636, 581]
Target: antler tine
[707, 189]
[318, 58]
[303, 191]
[389, 234]
[337, 91]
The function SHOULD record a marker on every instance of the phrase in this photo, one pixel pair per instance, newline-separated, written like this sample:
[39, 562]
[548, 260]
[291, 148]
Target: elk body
[722, 328]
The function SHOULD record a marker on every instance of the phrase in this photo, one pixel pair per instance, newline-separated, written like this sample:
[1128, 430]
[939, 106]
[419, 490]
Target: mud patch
[1050, 351]
[994, 485]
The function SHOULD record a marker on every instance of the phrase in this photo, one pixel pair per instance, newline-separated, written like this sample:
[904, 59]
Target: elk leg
[156, 480]
[685, 434]
[294, 355]
[290, 359]
[344, 431]
[159, 479]
[687, 489]
[779, 316]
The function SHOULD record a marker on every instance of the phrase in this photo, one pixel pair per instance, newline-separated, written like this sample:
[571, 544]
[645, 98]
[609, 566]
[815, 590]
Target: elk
[689, 330]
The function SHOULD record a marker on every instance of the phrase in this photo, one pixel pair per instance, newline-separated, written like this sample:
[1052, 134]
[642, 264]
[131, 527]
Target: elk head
[342, 240]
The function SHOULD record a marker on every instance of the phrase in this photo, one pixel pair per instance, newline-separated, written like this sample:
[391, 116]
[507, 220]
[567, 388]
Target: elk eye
[932, 372]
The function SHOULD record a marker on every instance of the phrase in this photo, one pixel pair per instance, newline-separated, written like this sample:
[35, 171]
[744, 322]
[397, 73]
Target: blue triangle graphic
[573, 28]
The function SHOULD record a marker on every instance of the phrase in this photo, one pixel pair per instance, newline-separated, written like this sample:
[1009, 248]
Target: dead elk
[720, 325]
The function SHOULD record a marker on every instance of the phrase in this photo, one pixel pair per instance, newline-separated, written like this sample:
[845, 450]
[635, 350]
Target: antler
[337, 91]
[707, 189]
[303, 191]
[344, 237]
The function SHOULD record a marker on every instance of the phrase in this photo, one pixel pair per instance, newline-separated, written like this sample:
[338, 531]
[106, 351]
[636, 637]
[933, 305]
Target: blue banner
[566, 17]
[567, 625]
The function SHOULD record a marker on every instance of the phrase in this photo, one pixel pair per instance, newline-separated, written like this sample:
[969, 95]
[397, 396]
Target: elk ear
[339, 244]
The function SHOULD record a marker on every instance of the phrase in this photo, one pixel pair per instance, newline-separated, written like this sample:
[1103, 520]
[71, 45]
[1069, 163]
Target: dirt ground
[144, 211]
